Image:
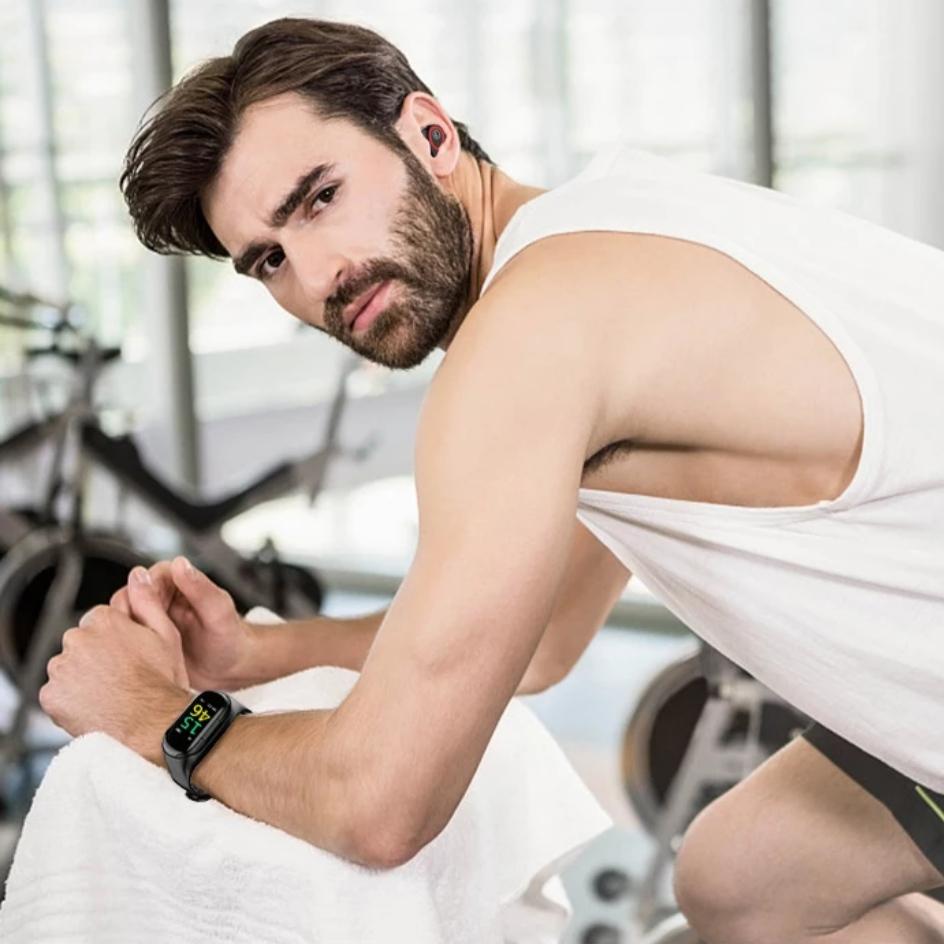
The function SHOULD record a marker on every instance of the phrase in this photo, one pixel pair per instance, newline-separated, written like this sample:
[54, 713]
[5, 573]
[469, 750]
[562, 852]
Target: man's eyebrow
[244, 261]
[298, 193]
[280, 216]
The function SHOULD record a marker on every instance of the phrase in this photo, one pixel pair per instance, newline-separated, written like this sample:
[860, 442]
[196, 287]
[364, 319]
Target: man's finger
[119, 600]
[163, 582]
[100, 615]
[146, 606]
[210, 602]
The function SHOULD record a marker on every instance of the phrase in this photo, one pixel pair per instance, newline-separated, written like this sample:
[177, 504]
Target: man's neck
[490, 198]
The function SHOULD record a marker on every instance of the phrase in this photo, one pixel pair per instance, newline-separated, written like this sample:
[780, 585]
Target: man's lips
[359, 304]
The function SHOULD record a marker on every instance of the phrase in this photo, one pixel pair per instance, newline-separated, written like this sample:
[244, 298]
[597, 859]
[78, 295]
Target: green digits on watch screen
[188, 726]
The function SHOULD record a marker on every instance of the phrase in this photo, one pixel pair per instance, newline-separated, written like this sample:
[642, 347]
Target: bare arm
[279, 650]
[592, 583]
[278, 767]
[285, 648]
[264, 752]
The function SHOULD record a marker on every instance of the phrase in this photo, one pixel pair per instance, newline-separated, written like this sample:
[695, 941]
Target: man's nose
[319, 272]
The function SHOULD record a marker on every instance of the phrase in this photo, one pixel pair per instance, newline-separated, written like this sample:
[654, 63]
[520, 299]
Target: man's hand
[112, 674]
[217, 643]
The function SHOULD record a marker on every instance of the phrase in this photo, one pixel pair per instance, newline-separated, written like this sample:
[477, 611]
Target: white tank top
[837, 606]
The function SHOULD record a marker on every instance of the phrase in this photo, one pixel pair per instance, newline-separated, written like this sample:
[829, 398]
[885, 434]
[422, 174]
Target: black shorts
[918, 809]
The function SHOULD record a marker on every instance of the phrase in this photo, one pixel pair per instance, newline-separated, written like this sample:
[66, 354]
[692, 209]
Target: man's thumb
[146, 604]
[210, 602]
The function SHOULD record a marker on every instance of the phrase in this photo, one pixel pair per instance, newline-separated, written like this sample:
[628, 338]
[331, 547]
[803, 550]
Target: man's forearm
[284, 648]
[278, 768]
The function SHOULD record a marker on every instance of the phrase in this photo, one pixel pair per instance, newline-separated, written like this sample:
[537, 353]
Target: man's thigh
[798, 841]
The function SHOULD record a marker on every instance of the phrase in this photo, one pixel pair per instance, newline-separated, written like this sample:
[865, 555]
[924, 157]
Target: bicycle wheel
[660, 728]
[30, 517]
[27, 571]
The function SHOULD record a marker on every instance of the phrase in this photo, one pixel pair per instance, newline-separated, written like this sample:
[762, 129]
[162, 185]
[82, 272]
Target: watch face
[194, 721]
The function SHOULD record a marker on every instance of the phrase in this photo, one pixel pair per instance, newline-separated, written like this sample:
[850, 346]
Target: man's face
[371, 218]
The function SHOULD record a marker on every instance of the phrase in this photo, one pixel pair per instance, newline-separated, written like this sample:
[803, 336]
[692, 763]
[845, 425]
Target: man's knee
[719, 879]
[740, 874]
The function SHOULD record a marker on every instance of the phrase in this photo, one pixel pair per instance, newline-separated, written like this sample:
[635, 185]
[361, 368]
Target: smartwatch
[189, 739]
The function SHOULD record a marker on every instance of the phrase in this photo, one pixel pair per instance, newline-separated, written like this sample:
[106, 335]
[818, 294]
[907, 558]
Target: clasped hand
[116, 667]
[170, 631]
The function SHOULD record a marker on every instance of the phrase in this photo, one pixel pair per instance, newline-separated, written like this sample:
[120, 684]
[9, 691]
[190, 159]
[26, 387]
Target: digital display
[195, 720]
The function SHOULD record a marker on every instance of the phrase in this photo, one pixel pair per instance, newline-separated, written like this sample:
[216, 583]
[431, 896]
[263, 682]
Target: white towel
[112, 851]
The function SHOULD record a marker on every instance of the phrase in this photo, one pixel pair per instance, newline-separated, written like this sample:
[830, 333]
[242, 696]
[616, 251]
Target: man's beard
[433, 234]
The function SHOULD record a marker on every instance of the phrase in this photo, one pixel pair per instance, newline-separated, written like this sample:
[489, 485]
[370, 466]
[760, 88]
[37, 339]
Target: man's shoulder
[589, 294]
[576, 266]
[563, 311]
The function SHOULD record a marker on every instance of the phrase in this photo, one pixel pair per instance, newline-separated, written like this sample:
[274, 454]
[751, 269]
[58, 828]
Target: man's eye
[327, 195]
[270, 263]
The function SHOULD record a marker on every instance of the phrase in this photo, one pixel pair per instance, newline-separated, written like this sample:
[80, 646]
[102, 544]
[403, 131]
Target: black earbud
[435, 135]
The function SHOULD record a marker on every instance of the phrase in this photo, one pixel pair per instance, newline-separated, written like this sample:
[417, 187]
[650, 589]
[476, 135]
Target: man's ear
[421, 110]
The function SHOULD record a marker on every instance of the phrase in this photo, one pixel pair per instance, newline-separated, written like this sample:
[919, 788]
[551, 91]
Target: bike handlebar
[105, 355]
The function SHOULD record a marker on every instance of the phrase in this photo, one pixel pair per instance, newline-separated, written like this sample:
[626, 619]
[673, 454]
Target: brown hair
[345, 71]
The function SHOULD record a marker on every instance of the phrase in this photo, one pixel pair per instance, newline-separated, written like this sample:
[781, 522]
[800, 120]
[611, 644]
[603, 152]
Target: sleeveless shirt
[836, 606]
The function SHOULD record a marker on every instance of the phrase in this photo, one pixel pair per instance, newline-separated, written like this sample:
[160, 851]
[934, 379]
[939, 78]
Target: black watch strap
[192, 736]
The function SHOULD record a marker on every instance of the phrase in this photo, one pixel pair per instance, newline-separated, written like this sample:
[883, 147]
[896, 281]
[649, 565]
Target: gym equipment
[660, 729]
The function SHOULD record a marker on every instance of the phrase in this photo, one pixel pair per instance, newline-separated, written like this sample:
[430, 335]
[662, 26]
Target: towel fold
[112, 851]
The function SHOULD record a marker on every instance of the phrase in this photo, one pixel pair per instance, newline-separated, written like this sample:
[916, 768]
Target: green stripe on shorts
[924, 796]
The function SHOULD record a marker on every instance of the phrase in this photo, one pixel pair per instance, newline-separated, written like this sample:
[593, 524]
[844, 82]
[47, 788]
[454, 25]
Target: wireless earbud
[435, 135]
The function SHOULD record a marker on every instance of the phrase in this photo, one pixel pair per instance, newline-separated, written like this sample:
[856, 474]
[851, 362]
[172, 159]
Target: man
[737, 396]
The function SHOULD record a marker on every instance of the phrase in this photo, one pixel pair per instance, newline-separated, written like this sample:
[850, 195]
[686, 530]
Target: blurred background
[838, 103]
